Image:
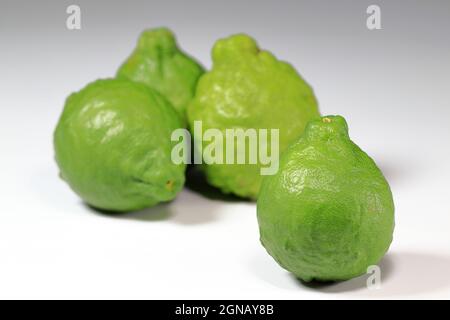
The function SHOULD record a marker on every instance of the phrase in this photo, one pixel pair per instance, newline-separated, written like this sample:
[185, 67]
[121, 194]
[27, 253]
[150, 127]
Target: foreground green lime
[158, 62]
[328, 213]
[249, 88]
[113, 146]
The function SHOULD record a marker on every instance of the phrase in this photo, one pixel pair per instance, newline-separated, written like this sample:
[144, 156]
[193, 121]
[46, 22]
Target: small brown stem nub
[169, 185]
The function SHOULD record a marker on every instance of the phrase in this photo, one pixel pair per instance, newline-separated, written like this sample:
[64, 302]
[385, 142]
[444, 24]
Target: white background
[392, 85]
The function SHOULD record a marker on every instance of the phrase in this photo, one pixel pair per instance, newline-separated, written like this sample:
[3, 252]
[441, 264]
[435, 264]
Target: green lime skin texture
[113, 146]
[328, 214]
[248, 88]
[158, 62]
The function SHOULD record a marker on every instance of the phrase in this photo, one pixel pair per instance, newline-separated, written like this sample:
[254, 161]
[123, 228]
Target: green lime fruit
[113, 146]
[158, 62]
[248, 88]
[328, 213]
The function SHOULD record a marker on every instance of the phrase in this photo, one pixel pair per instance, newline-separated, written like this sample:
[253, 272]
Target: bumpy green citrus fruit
[159, 63]
[113, 146]
[328, 213]
[249, 88]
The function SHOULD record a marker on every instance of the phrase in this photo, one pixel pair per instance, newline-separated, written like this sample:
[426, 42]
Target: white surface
[391, 86]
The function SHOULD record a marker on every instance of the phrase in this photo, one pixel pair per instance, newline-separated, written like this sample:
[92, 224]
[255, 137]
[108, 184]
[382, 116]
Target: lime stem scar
[169, 185]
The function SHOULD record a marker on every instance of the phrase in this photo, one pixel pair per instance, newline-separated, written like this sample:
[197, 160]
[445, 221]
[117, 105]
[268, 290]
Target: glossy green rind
[248, 88]
[113, 146]
[158, 62]
[328, 214]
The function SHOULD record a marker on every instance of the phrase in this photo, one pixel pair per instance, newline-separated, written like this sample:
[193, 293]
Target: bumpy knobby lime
[328, 213]
[113, 146]
[158, 62]
[248, 88]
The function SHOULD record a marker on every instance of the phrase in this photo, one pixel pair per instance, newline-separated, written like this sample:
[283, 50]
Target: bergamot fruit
[158, 62]
[328, 214]
[248, 88]
[113, 146]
